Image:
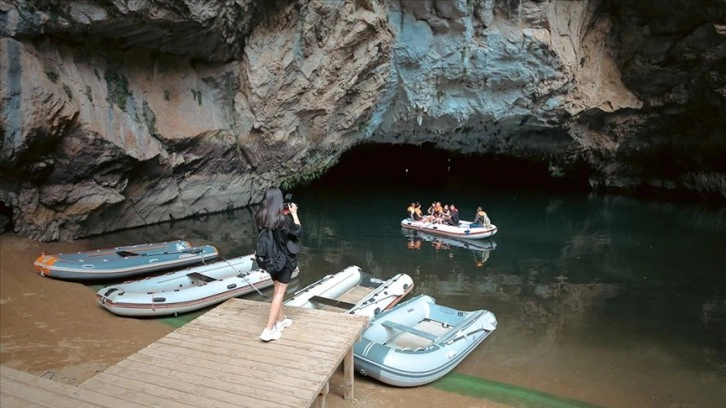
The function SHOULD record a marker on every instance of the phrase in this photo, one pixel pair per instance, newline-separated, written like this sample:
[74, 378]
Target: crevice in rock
[6, 217]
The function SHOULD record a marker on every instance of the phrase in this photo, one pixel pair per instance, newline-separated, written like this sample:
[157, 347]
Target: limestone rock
[117, 114]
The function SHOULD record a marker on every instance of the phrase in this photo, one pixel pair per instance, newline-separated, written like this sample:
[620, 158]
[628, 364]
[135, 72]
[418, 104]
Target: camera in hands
[286, 201]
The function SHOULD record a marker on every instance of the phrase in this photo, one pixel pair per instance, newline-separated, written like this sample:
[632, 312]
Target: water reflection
[233, 233]
[480, 249]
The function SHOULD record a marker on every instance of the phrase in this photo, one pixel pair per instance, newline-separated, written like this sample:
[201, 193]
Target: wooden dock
[216, 360]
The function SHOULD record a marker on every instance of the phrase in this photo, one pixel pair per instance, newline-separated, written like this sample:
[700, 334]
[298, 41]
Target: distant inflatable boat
[123, 262]
[186, 290]
[465, 229]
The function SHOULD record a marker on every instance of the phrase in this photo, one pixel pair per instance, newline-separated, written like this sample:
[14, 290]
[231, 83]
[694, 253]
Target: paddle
[183, 251]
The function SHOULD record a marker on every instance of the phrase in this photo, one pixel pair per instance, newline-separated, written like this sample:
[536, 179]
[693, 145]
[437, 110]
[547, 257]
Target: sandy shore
[55, 329]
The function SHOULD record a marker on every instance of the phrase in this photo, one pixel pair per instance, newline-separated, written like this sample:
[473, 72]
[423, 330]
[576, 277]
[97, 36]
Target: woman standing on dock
[281, 218]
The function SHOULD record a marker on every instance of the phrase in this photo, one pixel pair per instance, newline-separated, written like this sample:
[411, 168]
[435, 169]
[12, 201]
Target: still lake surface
[598, 297]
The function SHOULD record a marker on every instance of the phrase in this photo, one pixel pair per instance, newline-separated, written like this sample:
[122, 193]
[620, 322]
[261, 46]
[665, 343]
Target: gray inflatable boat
[418, 341]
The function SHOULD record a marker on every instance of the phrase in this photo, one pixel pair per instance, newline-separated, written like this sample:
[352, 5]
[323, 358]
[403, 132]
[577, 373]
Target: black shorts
[285, 275]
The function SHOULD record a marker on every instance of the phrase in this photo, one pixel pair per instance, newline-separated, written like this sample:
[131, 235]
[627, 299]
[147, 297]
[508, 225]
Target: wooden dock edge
[302, 364]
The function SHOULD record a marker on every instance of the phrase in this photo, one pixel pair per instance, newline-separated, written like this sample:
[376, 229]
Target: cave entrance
[407, 165]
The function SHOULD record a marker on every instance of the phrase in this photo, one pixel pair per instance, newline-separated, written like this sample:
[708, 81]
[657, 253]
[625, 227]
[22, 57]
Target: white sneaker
[270, 334]
[281, 324]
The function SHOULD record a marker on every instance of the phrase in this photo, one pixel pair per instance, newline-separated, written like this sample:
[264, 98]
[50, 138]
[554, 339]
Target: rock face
[117, 114]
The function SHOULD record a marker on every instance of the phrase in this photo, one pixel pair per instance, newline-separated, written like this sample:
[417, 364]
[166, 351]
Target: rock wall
[117, 114]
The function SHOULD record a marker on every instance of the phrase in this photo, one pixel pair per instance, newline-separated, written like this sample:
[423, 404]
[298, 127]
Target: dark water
[602, 299]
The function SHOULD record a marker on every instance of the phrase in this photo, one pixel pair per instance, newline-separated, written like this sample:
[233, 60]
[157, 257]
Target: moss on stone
[117, 87]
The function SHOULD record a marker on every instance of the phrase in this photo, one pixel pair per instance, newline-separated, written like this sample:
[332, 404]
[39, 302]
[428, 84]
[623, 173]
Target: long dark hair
[270, 214]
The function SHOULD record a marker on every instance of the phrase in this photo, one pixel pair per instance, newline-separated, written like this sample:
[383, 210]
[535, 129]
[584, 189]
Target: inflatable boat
[465, 229]
[185, 290]
[418, 341]
[353, 291]
[122, 262]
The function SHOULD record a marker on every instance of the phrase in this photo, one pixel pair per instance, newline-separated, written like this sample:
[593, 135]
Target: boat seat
[463, 324]
[332, 302]
[199, 276]
[416, 332]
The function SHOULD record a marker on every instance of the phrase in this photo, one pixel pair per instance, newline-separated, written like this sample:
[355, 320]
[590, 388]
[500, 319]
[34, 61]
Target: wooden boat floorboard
[413, 341]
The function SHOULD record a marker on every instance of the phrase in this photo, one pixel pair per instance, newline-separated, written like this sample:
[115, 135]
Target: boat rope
[243, 277]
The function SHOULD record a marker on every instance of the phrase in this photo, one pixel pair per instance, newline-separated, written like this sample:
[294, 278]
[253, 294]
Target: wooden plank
[11, 401]
[221, 362]
[201, 277]
[348, 375]
[300, 344]
[335, 320]
[221, 323]
[148, 385]
[286, 369]
[316, 338]
[222, 374]
[274, 353]
[355, 294]
[17, 382]
[184, 384]
[326, 341]
[308, 315]
[331, 330]
[339, 304]
[131, 392]
[217, 360]
[224, 316]
[322, 398]
[245, 307]
[407, 329]
[40, 396]
[230, 388]
[174, 389]
[331, 333]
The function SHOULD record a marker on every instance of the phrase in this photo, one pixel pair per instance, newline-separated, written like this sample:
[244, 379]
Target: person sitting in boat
[417, 213]
[445, 214]
[410, 210]
[414, 211]
[481, 218]
[437, 213]
[431, 209]
[454, 218]
[430, 213]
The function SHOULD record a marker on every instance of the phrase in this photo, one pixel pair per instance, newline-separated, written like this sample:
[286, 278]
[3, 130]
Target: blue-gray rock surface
[117, 114]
